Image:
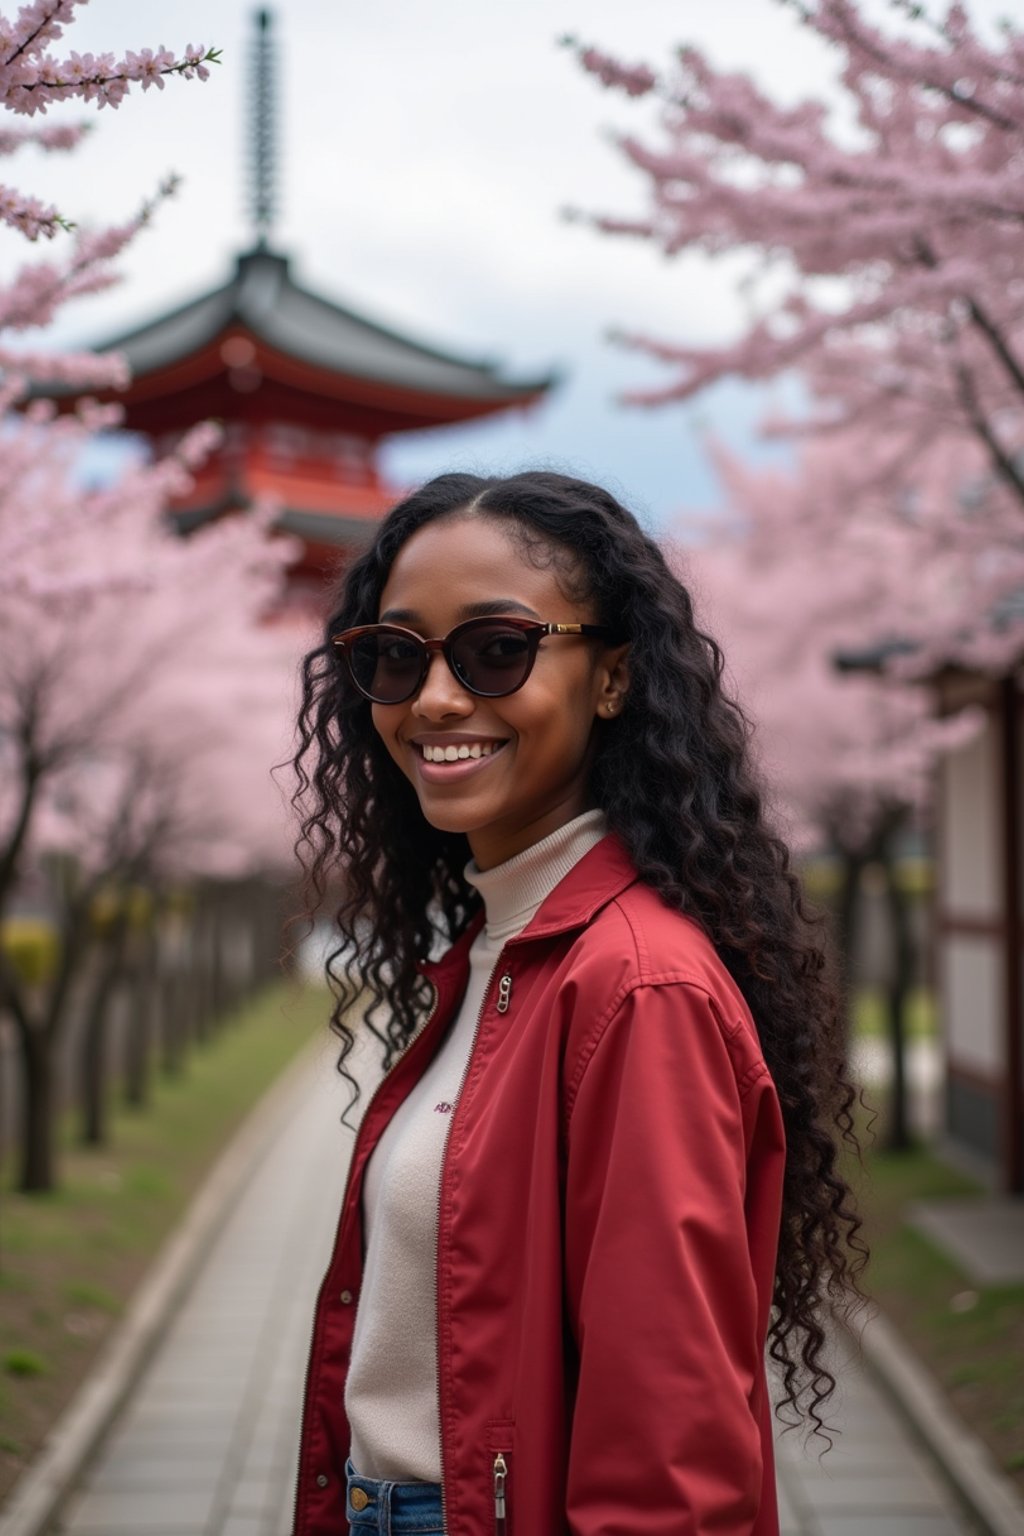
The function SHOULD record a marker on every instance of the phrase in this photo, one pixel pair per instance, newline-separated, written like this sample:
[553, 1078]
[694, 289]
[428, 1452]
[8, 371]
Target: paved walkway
[206, 1445]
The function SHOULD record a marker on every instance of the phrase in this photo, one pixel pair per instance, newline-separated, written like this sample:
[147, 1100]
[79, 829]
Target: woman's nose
[441, 693]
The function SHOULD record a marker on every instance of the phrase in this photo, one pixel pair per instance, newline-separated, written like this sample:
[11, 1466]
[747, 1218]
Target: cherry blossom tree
[143, 701]
[889, 257]
[142, 697]
[788, 598]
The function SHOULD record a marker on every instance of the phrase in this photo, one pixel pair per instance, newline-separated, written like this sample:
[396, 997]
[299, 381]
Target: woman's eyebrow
[496, 605]
[399, 616]
[483, 610]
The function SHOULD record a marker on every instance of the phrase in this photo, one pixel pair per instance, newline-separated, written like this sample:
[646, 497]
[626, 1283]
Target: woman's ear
[614, 681]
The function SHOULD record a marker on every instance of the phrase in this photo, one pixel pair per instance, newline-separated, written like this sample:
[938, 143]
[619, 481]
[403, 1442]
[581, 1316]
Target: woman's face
[541, 738]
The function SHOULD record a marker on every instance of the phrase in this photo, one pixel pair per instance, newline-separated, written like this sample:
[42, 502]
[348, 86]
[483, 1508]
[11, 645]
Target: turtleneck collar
[513, 891]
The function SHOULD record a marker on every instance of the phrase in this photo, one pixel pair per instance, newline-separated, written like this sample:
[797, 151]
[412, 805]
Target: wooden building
[980, 927]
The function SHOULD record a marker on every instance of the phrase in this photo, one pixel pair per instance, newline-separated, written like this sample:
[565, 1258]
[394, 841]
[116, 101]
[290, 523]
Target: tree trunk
[144, 983]
[274, 959]
[28, 781]
[38, 1032]
[91, 1075]
[198, 990]
[38, 1163]
[93, 1054]
[898, 1136]
[848, 930]
[172, 1009]
[219, 1002]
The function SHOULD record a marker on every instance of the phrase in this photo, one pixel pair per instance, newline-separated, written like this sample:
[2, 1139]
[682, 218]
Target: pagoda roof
[263, 300]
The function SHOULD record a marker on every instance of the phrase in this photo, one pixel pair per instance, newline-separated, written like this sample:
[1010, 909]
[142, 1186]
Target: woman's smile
[447, 759]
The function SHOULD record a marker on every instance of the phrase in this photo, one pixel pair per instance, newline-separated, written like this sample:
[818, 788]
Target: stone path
[206, 1444]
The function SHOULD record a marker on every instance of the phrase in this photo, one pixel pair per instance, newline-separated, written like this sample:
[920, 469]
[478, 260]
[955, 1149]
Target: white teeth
[453, 754]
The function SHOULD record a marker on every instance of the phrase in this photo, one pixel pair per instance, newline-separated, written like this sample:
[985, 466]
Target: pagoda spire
[262, 137]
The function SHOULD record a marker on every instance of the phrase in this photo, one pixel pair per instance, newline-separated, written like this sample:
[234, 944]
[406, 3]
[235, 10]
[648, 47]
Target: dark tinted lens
[387, 667]
[492, 658]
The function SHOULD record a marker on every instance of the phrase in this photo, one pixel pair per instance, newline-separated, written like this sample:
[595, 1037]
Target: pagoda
[306, 389]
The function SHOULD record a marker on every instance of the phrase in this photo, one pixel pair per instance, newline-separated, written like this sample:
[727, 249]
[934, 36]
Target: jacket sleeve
[664, 1302]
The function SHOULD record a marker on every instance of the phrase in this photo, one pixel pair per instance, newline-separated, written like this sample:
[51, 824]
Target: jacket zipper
[344, 1202]
[500, 1476]
[504, 991]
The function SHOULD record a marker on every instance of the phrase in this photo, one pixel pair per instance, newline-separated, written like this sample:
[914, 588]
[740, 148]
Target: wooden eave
[289, 389]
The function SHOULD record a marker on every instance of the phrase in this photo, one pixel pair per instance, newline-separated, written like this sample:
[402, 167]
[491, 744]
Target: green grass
[970, 1337]
[71, 1259]
[24, 1362]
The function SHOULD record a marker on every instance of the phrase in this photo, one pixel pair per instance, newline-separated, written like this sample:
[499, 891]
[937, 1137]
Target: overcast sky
[427, 150]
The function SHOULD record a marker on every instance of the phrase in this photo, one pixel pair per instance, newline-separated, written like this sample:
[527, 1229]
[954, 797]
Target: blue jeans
[392, 1509]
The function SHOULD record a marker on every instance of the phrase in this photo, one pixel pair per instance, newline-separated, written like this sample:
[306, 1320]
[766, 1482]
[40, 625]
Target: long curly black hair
[674, 777]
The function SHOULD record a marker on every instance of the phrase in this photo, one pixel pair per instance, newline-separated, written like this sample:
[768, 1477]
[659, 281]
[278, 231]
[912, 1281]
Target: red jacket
[607, 1234]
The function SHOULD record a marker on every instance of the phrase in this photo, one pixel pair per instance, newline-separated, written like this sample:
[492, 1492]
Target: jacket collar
[600, 876]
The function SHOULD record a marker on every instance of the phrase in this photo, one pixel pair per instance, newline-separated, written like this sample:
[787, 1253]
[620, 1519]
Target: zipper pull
[500, 1474]
[504, 992]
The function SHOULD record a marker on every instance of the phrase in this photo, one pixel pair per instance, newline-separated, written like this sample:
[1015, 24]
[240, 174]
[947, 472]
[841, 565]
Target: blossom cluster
[31, 77]
[35, 295]
[122, 645]
[633, 79]
[51, 136]
[787, 587]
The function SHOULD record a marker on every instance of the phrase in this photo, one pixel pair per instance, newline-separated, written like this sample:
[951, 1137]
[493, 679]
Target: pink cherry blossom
[786, 591]
[884, 270]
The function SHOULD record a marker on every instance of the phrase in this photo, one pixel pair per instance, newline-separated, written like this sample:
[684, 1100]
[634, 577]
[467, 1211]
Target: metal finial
[262, 165]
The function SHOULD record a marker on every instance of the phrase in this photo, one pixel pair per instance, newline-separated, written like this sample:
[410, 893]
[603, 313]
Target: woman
[600, 1168]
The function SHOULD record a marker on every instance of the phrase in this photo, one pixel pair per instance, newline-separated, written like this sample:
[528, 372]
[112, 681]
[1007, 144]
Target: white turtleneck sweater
[391, 1394]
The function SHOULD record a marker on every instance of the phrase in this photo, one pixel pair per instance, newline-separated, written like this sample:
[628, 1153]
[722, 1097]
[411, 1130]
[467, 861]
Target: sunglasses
[489, 657]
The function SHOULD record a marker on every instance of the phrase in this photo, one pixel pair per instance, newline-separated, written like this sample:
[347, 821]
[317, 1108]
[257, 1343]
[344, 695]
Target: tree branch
[12, 996]
[1002, 462]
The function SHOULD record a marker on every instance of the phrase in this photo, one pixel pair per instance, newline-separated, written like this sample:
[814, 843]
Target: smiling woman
[533, 744]
[621, 1080]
